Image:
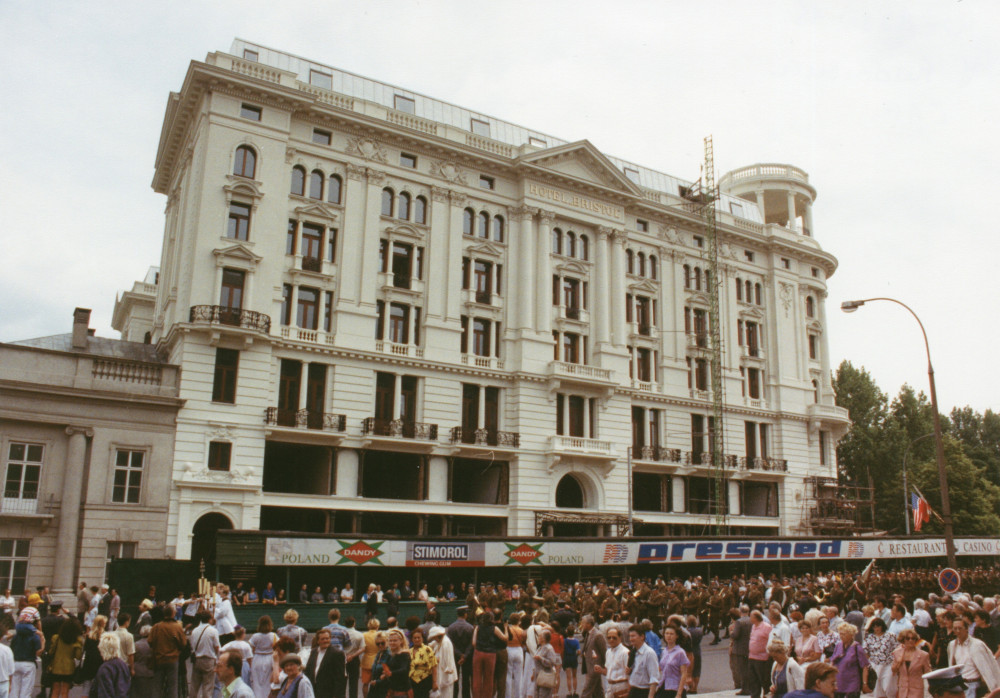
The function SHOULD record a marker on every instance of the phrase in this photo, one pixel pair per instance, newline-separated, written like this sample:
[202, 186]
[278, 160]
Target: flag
[921, 511]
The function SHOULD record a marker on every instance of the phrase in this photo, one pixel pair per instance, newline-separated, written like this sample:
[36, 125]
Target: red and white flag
[921, 510]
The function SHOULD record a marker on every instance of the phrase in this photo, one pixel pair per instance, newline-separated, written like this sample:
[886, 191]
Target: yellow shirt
[423, 662]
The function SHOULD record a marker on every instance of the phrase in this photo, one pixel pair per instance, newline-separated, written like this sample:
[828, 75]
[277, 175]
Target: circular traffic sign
[950, 580]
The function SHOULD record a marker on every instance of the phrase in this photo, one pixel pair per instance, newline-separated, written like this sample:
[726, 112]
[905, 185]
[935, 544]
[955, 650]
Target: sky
[891, 107]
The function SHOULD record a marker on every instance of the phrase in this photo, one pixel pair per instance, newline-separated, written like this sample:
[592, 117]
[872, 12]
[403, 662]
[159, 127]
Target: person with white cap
[973, 657]
[446, 669]
[946, 683]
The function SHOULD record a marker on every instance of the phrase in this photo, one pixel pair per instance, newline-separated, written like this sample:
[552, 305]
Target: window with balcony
[641, 365]
[231, 295]
[645, 429]
[472, 397]
[127, 476]
[289, 387]
[24, 468]
[399, 323]
[307, 312]
[570, 347]
[312, 246]
[387, 409]
[813, 346]
[227, 363]
[484, 339]
[702, 436]
[575, 416]
[238, 227]
[700, 374]
[753, 379]
[245, 163]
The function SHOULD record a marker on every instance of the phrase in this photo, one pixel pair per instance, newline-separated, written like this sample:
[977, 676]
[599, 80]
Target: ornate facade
[395, 315]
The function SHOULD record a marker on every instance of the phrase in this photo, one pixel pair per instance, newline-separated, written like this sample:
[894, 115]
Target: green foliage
[975, 502]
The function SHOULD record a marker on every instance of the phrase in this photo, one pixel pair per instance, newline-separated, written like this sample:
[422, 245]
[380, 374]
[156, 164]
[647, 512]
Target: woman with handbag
[91, 653]
[65, 652]
[851, 663]
[547, 664]
[262, 664]
[909, 664]
[394, 680]
[423, 666]
[673, 666]
[879, 646]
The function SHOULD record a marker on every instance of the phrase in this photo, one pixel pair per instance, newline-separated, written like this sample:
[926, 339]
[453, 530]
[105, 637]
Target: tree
[975, 502]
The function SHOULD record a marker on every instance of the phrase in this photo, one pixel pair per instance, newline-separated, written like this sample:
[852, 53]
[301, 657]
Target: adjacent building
[394, 315]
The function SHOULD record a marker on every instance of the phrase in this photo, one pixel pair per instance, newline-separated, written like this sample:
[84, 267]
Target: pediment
[239, 252]
[317, 210]
[485, 250]
[405, 231]
[583, 162]
[572, 268]
[814, 326]
[241, 186]
[644, 286]
[753, 312]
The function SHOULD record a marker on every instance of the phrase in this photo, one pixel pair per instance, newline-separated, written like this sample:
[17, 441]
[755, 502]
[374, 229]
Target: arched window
[748, 291]
[484, 225]
[629, 262]
[584, 248]
[810, 307]
[333, 189]
[420, 210]
[739, 288]
[652, 266]
[498, 229]
[556, 241]
[403, 209]
[687, 276]
[467, 217]
[697, 278]
[316, 185]
[570, 243]
[757, 295]
[569, 494]
[299, 180]
[641, 259]
[387, 197]
[246, 162]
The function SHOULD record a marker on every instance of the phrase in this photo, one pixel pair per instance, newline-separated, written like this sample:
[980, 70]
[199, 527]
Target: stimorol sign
[321, 552]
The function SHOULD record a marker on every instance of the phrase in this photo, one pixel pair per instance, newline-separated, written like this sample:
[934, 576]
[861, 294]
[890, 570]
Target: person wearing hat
[296, 684]
[447, 671]
[946, 683]
[974, 657]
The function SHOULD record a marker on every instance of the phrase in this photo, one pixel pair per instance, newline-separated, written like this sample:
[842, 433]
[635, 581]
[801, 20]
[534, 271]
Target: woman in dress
[262, 664]
[909, 664]
[546, 663]
[368, 658]
[292, 631]
[113, 677]
[674, 666]
[91, 651]
[372, 688]
[826, 639]
[879, 646]
[395, 679]
[786, 674]
[806, 645]
[65, 652]
[423, 666]
[851, 663]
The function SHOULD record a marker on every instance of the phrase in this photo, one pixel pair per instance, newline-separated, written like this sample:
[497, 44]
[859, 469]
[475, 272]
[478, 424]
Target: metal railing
[305, 419]
[234, 317]
[485, 437]
[399, 428]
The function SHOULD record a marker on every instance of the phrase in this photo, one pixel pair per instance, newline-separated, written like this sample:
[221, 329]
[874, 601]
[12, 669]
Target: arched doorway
[570, 495]
[203, 542]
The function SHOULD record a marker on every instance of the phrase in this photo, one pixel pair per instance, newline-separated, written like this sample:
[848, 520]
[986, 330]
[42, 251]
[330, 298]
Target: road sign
[950, 580]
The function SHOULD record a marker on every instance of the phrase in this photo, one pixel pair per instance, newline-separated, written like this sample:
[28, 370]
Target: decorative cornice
[355, 172]
[522, 212]
[439, 194]
[458, 199]
[72, 430]
[376, 178]
[366, 148]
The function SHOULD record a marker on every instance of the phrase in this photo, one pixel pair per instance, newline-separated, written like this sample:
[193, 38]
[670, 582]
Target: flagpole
[906, 489]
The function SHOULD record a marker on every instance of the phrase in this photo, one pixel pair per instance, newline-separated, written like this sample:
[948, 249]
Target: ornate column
[618, 333]
[543, 300]
[602, 330]
[370, 235]
[791, 211]
[825, 388]
[67, 542]
[354, 222]
[348, 471]
[522, 254]
[807, 218]
[453, 304]
[438, 262]
[760, 203]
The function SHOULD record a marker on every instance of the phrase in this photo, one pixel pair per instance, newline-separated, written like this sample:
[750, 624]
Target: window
[484, 225]
[701, 374]
[14, 562]
[584, 248]
[333, 188]
[556, 241]
[322, 137]
[387, 197]
[813, 347]
[328, 311]
[786, 263]
[571, 244]
[286, 304]
[24, 467]
[403, 209]
[641, 225]
[250, 55]
[754, 383]
[248, 111]
[118, 550]
[480, 127]
[399, 321]
[572, 348]
[652, 266]
[483, 278]
[420, 210]
[239, 221]
[316, 185]
[748, 254]
[468, 216]
[644, 364]
[331, 245]
[757, 294]
[321, 79]
[298, 181]
[480, 337]
[687, 276]
[312, 243]
[632, 174]
[487, 182]
[219, 455]
[224, 385]
[822, 447]
[404, 104]
[245, 164]
[407, 160]
[128, 476]
[815, 272]
[404, 265]
[307, 316]
[810, 307]
[736, 209]
[231, 295]
[699, 241]
[290, 237]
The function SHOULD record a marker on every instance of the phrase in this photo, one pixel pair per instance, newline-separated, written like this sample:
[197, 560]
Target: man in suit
[739, 649]
[327, 668]
[460, 634]
[594, 655]
[228, 669]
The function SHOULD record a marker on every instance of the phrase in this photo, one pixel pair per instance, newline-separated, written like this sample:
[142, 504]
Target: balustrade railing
[399, 428]
[305, 419]
[485, 437]
[234, 317]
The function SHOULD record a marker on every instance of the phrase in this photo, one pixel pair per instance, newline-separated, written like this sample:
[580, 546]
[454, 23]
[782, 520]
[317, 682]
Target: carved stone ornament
[367, 149]
[670, 234]
[786, 296]
[521, 213]
[603, 232]
[728, 252]
[290, 154]
[546, 217]
[619, 237]
[457, 198]
[356, 172]
[439, 194]
[448, 170]
[376, 178]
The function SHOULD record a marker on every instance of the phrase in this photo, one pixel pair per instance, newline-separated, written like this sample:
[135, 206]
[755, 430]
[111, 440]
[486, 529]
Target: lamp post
[949, 535]
[906, 489]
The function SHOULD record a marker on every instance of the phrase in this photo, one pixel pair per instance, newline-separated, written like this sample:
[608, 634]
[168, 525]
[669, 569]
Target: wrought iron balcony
[400, 429]
[486, 437]
[312, 264]
[774, 465]
[703, 459]
[572, 313]
[484, 297]
[657, 453]
[233, 317]
[305, 419]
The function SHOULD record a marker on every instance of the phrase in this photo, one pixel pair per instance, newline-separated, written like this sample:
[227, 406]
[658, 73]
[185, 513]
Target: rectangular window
[289, 386]
[763, 441]
[753, 383]
[249, 111]
[752, 330]
[128, 476]
[407, 160]
[470, 412]
[404, 104]
[577, 425]
[14, 562]
[286, 304]
[239, 222]
[219, 455]
[290, 237]
[483, 281]
[487, 182]
[118, 550]
[227, 363]
[399, 321]
[379, 319]
[231, 295]
[480, 127]
[813, 347]
[786, 263]
[418, 263]
[250, 55]
[327, 311]
[559, 413]
[321, 79]
[24, 467]
[822, 447]
[331, 245]
[750, 438]
[480, 337]
[311, 244]
[642, 226]
[701, 374]
[385, 386]
[653, 425]
[408, 398]
[748, 254]
[383, 256]
[402, 260]
[496, 339]
[322, 137]
[571, 348]
[699, 241]
[307, 315]
[571, 291]
[465, 334]
[644, 364]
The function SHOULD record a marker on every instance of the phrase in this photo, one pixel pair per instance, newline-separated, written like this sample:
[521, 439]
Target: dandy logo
[523, 554]
[359, 552]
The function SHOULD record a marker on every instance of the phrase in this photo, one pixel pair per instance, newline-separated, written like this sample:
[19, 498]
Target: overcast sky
[891, 107]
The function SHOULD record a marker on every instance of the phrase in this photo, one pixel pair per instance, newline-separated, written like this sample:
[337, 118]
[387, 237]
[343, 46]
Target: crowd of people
[876, 634]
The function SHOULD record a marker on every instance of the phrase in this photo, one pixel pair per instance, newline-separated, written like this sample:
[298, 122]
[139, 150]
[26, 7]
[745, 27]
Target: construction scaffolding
[839, 509]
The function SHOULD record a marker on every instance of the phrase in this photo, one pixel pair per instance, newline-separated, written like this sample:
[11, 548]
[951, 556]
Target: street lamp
[949, 535]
